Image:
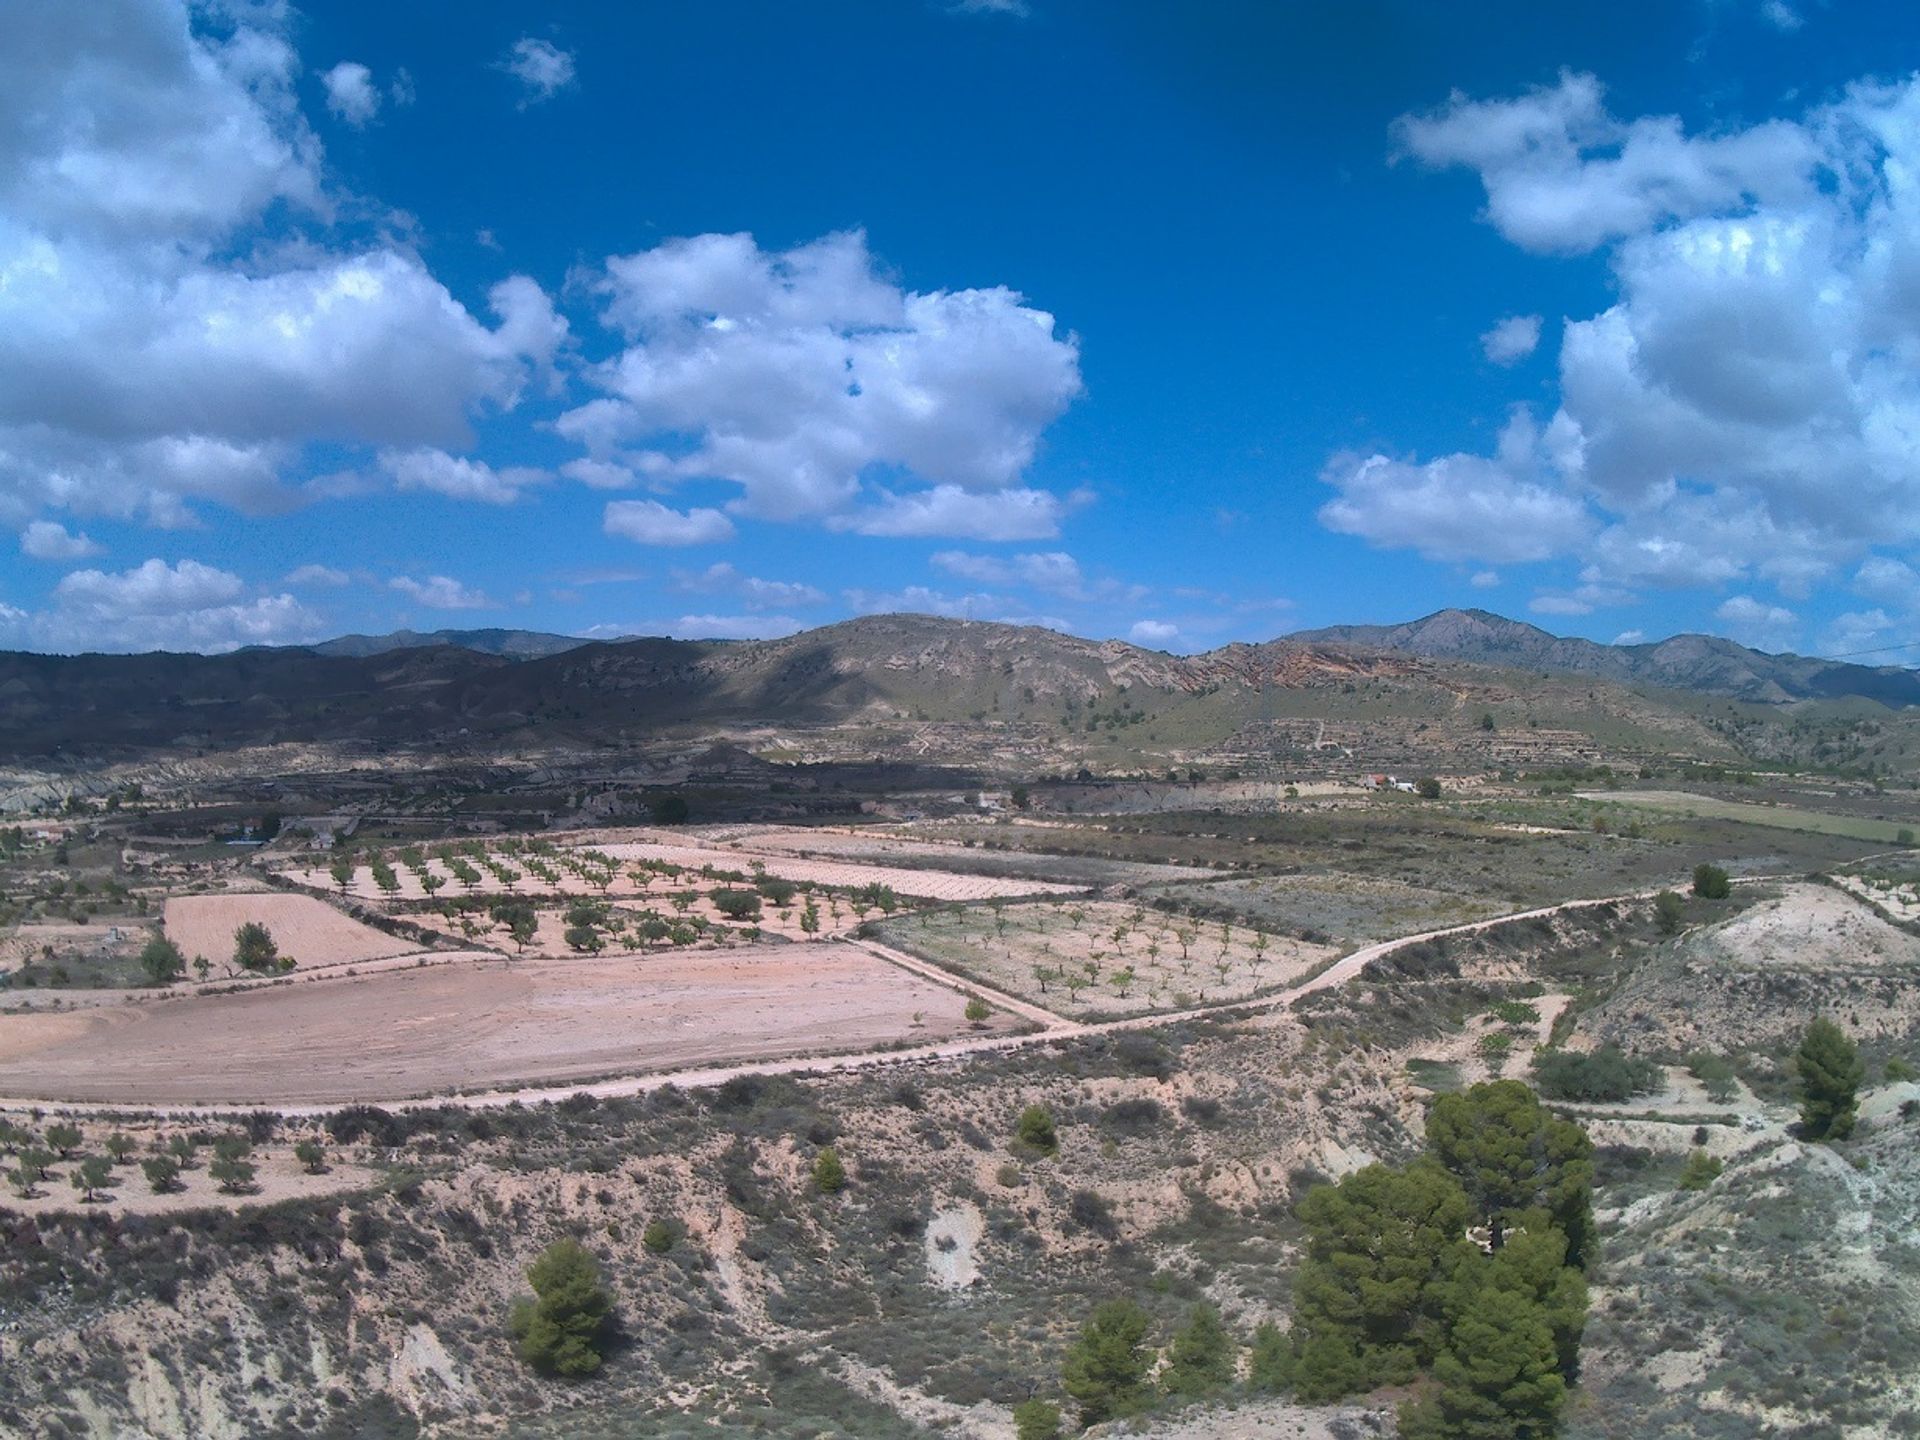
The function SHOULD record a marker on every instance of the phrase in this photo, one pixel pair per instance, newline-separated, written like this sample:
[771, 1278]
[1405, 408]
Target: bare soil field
[1104, 959]
[423, 1031]
[962, 847]
[309, 930]
[921, 884]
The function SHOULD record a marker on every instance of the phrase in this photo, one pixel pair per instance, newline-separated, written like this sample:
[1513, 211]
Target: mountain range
[519, 687]
[1707, 664]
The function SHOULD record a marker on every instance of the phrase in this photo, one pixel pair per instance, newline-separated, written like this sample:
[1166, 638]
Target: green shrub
[254, 948]
[1033, 1132]
[1606, 1076]
[563, 1329]
[162, 1172]
[1830, 1072]
[1669, 912]
[736, 904]
[1106, 1368]
[1701, 1171]
[829, 1175]
[1036, 1419]
[1515, 1012]
[233, 1175]
[660, 1236]
[162, 961]
[1270, 1360]
[1710, 882]
[1201, 1360]
[1715, 1072]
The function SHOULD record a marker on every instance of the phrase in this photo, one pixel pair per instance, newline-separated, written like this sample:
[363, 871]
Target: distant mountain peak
[1710, 664]
[508, 644]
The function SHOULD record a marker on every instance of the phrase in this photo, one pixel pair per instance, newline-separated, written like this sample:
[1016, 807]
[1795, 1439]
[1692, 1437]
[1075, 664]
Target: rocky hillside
[1704, 663]
[1023, 699]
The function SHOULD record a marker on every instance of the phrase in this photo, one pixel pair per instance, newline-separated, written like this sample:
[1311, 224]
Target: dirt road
[1052, 1028]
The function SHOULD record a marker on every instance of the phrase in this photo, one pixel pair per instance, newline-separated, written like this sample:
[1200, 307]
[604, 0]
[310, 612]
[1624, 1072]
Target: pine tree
[1036, 1419]
[1270, 1360]
[1367, 1297]
[1509, 1154]
[829, 1175]
[1498, 1378]
[1830, 1077]
[1201, 1359]
[1106, 1368]
[563, 1328]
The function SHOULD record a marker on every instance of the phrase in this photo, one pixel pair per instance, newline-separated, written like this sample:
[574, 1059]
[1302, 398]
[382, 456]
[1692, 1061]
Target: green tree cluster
[1466, 1267]
[1033, 1132]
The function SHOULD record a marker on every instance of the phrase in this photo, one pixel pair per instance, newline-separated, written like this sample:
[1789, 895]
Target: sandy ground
[419, 1031]
[883, 846]
[1810, 925]
[312, 932]
[278, 1177]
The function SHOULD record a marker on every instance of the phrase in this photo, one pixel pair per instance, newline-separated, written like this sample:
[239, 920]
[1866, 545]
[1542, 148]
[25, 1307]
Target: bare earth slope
[1752, 982]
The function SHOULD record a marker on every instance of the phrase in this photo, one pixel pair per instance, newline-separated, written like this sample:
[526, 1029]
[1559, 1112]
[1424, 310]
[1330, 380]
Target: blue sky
[1180, 323]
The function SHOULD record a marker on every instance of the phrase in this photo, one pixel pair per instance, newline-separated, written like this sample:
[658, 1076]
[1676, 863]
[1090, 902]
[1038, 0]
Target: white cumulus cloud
[441, 592]
[1512, 339]
[1757, 623]
[157, 606]
[180, 319]
[648, 522]
[1748, 407]
[50, 540]
[802, 374]
[542, 68]
[351, 93]
[1505, 509]
[456, 477]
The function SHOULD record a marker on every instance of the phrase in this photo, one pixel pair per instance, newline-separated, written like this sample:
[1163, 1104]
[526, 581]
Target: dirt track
[453, 1027]
[741, 1045]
